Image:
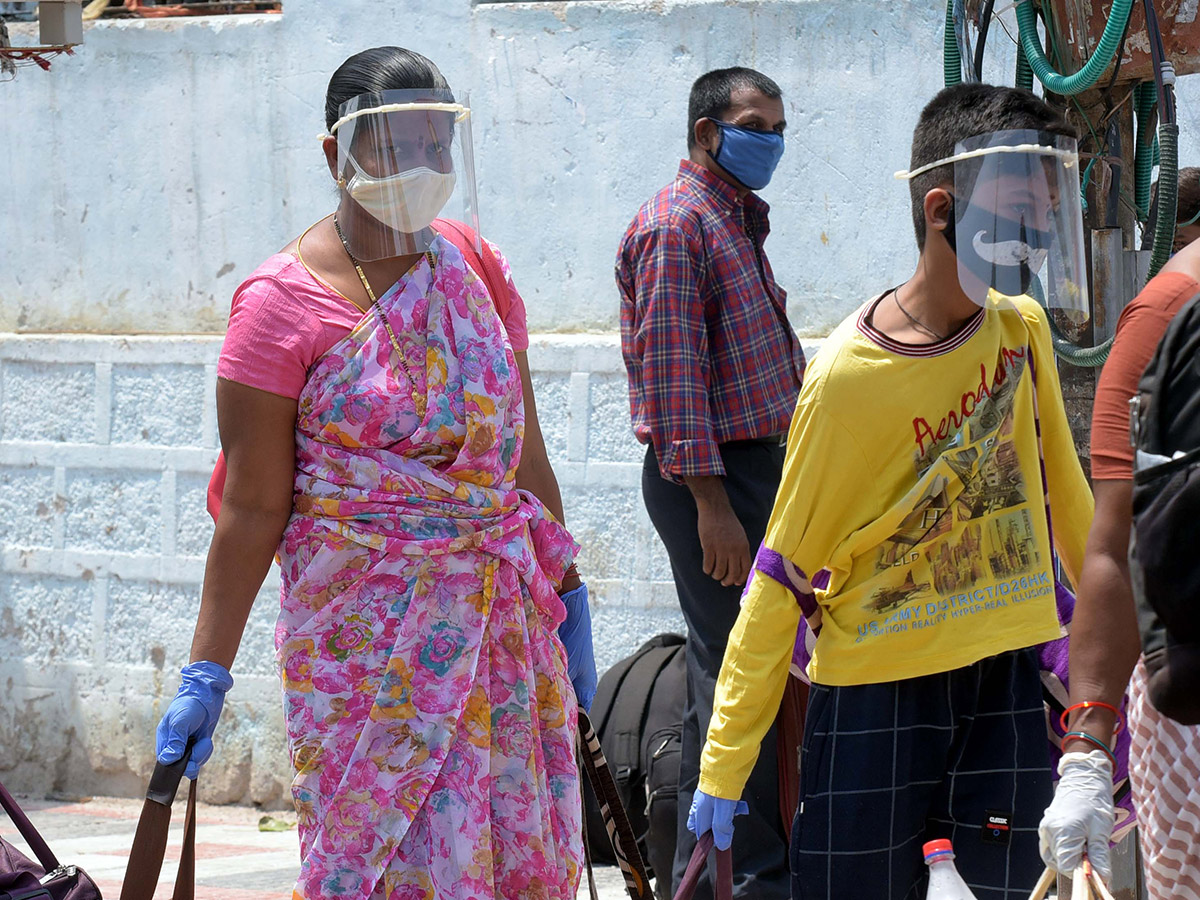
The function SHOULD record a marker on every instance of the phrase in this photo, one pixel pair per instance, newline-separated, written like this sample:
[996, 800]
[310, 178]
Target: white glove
[1080, 818]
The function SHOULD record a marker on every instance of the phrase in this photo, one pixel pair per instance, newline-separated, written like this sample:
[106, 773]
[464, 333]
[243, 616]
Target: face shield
[404, 159]
[1017, 223]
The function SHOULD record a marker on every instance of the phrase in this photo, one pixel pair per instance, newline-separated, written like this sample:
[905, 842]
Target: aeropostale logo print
[967, 544]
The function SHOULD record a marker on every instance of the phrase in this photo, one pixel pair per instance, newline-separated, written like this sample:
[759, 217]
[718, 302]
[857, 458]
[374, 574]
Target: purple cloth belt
[1053, 655]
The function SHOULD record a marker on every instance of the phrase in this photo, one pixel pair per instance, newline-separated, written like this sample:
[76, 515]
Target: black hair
[1189, 194]
[1187, 209]
[712, 94]
[964, 111]
[377, 70]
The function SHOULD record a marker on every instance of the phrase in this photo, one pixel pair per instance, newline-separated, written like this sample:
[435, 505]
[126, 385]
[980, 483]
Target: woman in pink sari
[377, 418]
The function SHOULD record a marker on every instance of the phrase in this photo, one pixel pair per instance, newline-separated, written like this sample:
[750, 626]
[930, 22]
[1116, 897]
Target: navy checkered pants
[886, 767]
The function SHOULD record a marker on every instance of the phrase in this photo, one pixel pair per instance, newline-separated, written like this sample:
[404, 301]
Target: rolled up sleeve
[675, 366]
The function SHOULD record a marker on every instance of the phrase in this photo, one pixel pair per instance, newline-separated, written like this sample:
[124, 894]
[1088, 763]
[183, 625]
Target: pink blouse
[283, 320]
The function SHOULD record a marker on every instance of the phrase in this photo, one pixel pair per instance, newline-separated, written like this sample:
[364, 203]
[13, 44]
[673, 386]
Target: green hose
[1073, 354]
[1092, 70]
[1024, 70]
[1144, 99]
[1168, 197]
[952, 60]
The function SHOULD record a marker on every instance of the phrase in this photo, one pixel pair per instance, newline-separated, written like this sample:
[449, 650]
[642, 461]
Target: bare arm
[535, 474]
[258, 438]
[1186, 261]
[1104, 633]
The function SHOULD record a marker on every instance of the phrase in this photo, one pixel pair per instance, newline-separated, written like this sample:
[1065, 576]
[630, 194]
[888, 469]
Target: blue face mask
[749, 156]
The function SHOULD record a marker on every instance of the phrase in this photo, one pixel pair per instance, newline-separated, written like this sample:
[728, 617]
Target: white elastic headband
[460, 112]
[1070, 156]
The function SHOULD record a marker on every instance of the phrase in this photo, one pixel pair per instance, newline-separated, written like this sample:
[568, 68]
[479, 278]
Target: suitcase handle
[150, 840]
[696, 866]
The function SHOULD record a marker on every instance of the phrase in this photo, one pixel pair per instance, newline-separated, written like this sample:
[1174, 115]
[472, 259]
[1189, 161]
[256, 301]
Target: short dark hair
[963, 111]
[1188, 205]
[380, 69]
[712, 94]
[1189, 194]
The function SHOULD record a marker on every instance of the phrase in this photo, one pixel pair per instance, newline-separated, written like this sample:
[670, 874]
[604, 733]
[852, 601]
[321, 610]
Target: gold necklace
[418, 401]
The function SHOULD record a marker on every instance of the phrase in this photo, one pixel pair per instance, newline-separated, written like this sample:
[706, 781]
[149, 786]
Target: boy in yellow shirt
[928, 456]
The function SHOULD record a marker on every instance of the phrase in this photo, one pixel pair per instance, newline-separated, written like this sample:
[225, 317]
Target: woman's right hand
[192, 716]
[576, 635]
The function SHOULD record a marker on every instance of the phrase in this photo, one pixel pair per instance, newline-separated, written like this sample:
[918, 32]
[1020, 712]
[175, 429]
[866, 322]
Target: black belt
[770, 440]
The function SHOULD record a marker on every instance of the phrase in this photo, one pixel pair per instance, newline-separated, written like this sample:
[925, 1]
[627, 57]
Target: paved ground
[235, 860]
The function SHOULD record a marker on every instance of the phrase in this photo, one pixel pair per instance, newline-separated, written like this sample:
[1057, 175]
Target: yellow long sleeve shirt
[914, 476]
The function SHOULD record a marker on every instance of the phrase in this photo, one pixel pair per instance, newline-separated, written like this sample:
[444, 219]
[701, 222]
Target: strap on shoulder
[485, 264]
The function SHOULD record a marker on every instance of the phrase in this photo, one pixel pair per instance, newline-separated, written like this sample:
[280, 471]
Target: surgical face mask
[749, 156]
[407, 202]
[1005, 254]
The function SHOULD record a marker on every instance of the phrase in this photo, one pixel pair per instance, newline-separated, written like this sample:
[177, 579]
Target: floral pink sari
[430, 718]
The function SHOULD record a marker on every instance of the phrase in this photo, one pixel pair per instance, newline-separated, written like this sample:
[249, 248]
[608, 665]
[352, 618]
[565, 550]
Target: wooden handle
[1044, 884]
[1097, 882]
[1080, 890]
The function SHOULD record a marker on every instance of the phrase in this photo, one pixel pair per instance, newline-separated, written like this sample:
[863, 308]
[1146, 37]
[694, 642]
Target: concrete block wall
[106, 446]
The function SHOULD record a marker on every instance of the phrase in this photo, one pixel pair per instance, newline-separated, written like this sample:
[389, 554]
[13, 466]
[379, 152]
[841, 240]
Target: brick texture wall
[106, 444]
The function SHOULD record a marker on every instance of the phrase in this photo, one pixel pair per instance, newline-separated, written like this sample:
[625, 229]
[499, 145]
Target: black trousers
[753, 470]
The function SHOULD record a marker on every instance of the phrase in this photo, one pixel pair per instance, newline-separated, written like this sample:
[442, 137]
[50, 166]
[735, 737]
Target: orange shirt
[1141, 326]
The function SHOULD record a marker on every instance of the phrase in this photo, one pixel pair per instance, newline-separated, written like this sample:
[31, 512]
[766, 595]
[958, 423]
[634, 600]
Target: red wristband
[1088, 704]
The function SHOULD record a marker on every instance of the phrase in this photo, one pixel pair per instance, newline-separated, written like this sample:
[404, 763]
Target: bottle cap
[938, 850]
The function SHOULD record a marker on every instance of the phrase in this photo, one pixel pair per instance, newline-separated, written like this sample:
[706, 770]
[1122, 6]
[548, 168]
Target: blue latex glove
[193, 714]
[709, 813]
[576, 634]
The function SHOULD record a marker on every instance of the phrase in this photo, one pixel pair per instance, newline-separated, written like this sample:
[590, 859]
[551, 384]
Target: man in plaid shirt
[714, 372]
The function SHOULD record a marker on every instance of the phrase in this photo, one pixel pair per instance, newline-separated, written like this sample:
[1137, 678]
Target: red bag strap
[696, 866]
[485, 264]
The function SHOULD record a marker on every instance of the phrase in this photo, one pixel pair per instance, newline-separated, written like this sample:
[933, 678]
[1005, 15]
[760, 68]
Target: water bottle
[944, 881]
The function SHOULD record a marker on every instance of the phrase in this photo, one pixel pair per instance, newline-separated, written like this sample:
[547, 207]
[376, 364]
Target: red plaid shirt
[710, 353]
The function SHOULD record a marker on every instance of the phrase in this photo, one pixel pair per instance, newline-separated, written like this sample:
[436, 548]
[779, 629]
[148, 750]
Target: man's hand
[722, 537]
[726, 547]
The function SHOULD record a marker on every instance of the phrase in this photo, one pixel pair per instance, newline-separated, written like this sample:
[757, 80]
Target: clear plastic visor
[405, 158]
[1018, 221]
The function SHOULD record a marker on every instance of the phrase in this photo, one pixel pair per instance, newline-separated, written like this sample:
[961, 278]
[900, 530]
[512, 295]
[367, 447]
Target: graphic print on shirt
[966, 542]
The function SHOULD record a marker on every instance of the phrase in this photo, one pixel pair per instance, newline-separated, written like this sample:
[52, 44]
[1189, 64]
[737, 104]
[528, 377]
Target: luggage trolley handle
[695, 868]
[150, 840]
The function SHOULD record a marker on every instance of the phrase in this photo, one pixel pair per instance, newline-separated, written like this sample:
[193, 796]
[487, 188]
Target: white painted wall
[147, 175]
